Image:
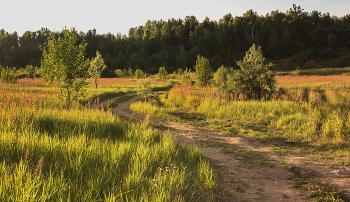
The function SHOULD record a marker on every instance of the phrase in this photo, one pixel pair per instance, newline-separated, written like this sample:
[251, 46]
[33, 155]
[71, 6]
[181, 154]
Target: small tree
[162, 73]
[222, 77]
[139, 74]
[186, 76]
[254, 79]
[96, 67]
[119, 73]
[203, 71]
[144, 87]
[180, 71]
[30, 71]
[130, 72]
[64, 61]
[8, 75]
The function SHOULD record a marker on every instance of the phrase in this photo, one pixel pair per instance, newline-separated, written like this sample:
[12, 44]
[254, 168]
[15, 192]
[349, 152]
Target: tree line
[176, 43]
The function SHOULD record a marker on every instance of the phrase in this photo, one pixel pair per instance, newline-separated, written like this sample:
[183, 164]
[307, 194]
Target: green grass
[308, 121]
[80, 154]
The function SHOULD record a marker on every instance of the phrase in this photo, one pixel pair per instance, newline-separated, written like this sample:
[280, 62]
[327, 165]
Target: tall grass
[51, 154]
[315, 111]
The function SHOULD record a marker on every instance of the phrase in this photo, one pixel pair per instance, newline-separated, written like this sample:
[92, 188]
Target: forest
[289, 39]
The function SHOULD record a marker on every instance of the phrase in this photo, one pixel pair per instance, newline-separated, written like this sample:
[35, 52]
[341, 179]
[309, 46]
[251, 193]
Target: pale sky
[118, 16]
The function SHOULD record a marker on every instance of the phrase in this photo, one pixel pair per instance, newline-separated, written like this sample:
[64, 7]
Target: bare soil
[266, 177]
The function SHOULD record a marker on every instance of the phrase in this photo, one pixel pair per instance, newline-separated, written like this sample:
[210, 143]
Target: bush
[203, 71]
[254, 80]
[8, 75]
[139, 74]
[186, 77]
[162, 73]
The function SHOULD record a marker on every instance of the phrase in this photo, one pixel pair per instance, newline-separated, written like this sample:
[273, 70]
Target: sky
[117, 16]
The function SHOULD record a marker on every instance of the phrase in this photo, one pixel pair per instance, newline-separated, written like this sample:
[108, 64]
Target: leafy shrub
[8, 75]
[203, 71]
[139, 74]
[162, 73]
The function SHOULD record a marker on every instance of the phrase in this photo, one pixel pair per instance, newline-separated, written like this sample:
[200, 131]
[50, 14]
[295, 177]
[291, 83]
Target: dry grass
[313, 81]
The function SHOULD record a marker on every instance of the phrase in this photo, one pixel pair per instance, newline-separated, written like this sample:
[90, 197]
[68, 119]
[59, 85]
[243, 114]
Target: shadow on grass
[102, 97]
[63, 128]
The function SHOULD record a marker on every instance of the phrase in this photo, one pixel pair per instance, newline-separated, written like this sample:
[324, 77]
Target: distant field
[313, 81]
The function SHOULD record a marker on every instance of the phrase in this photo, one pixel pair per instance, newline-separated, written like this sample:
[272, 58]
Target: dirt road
[265, 176]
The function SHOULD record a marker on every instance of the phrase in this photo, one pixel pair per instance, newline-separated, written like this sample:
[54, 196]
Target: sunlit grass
[316, 113]
[48, 153]
[313, 81]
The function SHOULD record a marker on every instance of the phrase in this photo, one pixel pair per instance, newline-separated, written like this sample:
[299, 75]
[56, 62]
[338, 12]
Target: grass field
[309, 116]
[305, 109]
[48, 153]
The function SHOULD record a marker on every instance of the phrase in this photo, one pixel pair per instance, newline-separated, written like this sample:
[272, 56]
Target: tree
[254, 79]
[221, 77]
[64, 61]
[331, 41]
[8, 75]
[30, 71]
[139, 74]
[162, 73]
[203, 71]
[119, 73]
[96, 67]
[186, 76]
[144, 87]
[272, 45]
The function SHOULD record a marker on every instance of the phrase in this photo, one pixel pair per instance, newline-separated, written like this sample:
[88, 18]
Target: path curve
[239, 180]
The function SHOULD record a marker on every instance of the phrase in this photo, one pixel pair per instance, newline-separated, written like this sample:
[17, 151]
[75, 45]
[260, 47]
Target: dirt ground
[240, 180]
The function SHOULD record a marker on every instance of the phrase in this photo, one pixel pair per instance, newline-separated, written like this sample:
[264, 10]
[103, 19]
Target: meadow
[307, 117]
[311, 113]
[49, 153]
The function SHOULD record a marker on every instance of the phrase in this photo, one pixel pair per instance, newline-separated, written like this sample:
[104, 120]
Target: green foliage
[180, 71]
[31, 71]
[139, 74]
[254, 79]
[332, 127]
[186, 76]
[144, 87]
[124, 72]
[97, 65]
[8, 75]
[130, 72]
[64, 61]
[203, 71]
[222, 78]
[162, 73]
[175, 43]
[119, 73]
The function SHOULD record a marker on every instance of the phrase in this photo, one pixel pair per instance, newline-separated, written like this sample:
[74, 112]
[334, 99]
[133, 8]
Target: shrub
[162, 73]
[203, 71]
[139, 74]
[254, 79]
[8, 75]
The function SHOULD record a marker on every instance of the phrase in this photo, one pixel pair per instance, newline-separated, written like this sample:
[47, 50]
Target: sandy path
[246, 181]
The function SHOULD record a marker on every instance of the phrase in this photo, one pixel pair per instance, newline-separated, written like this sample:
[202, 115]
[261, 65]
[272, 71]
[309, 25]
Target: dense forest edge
[291, 40]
